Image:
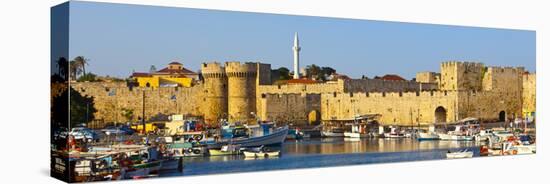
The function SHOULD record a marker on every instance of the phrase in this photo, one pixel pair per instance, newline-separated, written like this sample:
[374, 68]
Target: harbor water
[325, 152]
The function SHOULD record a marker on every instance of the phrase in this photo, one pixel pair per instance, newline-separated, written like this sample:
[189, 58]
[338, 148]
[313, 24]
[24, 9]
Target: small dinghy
[261, 152]
[460, 154]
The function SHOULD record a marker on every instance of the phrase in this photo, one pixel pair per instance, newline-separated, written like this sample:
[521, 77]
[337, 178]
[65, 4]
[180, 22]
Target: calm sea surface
[323, 152]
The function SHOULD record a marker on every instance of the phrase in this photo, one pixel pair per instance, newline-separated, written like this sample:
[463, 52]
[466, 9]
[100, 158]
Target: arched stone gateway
[314, 117]
[502, 116]
[440, 114]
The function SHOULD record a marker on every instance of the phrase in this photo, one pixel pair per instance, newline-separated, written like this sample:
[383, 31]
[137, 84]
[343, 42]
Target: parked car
[83, 133]
[113, 130]
[60, 133]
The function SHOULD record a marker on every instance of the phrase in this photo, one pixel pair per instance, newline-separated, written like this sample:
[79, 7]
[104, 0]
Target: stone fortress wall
[244, 91]
[111, 97]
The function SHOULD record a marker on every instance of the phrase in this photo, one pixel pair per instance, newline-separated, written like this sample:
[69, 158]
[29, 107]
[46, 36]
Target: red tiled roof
[176, 71]
[140, 74]
[301, 81]
[174, 63]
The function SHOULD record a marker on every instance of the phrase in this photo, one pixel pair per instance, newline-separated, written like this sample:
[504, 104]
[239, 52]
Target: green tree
[284, 73]
[89, 77]
[152, 69]
[313, 71]
[327, 71]
[81, 108]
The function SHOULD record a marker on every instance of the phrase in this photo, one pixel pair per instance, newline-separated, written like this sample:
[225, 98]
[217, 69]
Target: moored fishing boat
[333, 132]
[422, 136]
[225, 150]
[459, 134]
[357, 131]
[394, 133]
[276, 137]
[294, 134]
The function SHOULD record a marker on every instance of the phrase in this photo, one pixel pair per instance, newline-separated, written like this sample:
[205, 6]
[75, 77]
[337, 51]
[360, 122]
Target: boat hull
[216, 152]
[468, 154]
[448, 137]
[427, 136]
[355, 135]
[331, 134]
[261, 154]
[275, 138]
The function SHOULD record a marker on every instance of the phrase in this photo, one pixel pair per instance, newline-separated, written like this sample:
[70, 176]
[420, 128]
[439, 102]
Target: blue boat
[275, 137]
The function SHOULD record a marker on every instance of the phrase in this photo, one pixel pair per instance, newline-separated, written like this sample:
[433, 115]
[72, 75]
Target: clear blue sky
[120, 38]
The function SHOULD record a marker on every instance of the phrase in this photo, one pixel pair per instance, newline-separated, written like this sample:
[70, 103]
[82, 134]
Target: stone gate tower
[461, 76]
[242, 90]
[215, 90]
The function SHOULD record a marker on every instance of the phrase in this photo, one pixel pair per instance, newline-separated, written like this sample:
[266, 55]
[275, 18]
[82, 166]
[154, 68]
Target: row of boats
[148, 157]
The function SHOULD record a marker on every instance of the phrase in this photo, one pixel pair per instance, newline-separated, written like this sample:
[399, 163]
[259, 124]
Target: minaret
[296, 50]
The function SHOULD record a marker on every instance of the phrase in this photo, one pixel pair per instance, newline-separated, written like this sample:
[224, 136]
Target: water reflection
[326, 152]
[327, 146]
[356, 145]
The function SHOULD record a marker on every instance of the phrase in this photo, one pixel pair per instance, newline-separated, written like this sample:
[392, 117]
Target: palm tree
[74, 69]
[82, 62]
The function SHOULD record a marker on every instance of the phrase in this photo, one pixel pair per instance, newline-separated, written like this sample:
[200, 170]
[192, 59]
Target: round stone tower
[242, 90]
[215, 90]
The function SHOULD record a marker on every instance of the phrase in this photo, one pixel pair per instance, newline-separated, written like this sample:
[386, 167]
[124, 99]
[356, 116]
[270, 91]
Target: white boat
[503, 135]
[449, 137]
[261, 154]
[394, 133]
[357, 131]
[355, 135]
[484, 135]
[459, 134]
[278, 136]
[332, 134]
[460, 154]
[427, 136]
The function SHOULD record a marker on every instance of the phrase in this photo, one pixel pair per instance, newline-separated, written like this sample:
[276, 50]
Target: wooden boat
[225, 150]
[261, 154]
[460, 154]
[144, 170]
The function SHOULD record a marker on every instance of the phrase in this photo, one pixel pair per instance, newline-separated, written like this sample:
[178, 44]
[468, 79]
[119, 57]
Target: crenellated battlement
[213, 70]
[237, 69]
[506, 69]
[398, 94]
[461, 64]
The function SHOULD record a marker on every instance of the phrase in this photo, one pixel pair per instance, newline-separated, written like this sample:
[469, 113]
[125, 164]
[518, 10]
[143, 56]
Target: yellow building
[173, 75]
